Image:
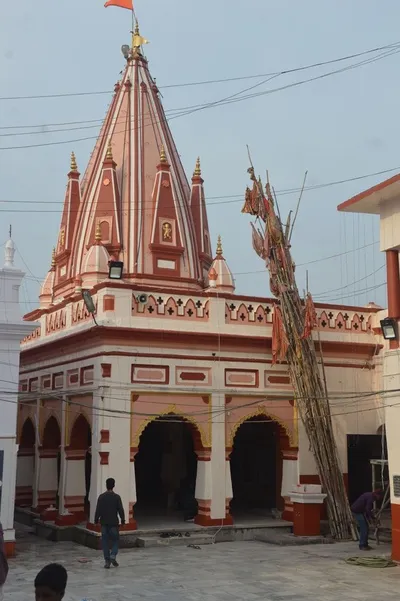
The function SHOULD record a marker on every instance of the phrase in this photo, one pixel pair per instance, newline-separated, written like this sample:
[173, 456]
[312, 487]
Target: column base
[129, 527]
[49, 515]
[9, 547]
[206, 520]
[288, 512]
[68, 519]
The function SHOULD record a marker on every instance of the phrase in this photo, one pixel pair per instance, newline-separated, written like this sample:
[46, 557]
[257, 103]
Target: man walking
[109, 508]
[362, 510]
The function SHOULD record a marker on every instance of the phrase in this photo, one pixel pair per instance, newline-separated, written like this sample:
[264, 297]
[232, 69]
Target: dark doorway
[166, 462]
[81, 439]
[254, 466]
[361, 448]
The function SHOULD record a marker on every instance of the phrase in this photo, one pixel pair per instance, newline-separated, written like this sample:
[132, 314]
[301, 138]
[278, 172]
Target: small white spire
[9, 252]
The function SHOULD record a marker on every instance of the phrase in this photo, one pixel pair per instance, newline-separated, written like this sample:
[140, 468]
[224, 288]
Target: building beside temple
[12, 329]
[383, 200]
[174, 381]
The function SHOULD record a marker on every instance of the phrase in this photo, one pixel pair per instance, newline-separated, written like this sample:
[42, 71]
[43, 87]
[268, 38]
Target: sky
[338, 127]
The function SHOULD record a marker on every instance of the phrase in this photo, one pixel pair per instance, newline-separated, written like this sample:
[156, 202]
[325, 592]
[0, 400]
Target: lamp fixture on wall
[115, 269]
[389, 328]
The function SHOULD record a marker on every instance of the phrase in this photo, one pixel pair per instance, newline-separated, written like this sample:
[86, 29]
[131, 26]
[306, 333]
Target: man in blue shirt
[362, 510]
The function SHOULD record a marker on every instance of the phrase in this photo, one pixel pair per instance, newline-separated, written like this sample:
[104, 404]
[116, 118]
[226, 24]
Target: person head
[378, 494]
[51, 582]
[110, 484]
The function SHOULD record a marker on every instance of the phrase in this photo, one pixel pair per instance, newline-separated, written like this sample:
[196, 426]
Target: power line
[228, 100]
[125, 414]
[214, 81]
[319, 294]
[239, 273]
[229, 198]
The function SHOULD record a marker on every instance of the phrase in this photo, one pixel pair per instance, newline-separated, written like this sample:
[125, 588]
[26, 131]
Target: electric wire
[222, 102]
[214, 81]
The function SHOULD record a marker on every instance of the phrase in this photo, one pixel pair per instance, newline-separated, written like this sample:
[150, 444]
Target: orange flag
[121, 3]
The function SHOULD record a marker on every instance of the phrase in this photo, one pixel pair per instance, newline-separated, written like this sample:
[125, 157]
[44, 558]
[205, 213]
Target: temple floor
[223, 572]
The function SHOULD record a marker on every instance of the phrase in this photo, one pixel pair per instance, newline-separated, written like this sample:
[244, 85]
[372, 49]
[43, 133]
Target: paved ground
[242, 571]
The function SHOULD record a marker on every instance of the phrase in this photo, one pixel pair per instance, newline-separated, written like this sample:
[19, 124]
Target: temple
[174, 383]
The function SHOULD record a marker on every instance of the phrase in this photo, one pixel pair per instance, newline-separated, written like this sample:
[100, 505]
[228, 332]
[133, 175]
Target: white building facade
[12, 330]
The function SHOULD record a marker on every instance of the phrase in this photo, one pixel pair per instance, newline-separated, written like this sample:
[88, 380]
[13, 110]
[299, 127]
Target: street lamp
[89, 304]
[115, 269]
[389, 328]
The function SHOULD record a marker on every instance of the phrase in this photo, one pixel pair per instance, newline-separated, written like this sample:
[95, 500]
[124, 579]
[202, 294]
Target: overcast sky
[339, 127]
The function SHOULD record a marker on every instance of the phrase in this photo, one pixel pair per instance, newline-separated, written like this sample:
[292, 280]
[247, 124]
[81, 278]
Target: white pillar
[63, 473]
[12, 331]
[218, 458]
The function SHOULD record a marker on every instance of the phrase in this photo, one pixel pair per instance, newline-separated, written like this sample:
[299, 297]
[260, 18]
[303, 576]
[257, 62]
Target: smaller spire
[163, 156]
[53, 258]
[9, 252]
[109, 154]
[98, 232]
[219, 247]
[197, 169]
[74, 166]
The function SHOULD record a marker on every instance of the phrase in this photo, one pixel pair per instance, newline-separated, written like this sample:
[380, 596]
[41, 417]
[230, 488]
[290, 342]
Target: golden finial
[219, 247]
[74, 166]
[98, 232]
[137, 39]
[109, 154]
[53, 258]
[197, 169]
[163, 156]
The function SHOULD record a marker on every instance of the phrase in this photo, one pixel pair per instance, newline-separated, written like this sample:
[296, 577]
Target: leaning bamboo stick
[310, 390]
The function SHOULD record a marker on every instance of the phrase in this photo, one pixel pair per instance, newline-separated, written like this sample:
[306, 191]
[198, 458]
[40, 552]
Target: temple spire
[137, 39]
[197, 169]
[109, 154]
[163, 156]
[219, 247]
[74, 166]
[98, 233]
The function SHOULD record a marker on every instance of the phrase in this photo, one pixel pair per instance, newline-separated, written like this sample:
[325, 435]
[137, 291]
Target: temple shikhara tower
[171, 387]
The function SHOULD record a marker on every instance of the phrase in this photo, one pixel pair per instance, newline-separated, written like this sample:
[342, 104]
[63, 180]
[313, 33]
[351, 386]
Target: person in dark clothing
[109, 508]
[51, 582]
[362, 510]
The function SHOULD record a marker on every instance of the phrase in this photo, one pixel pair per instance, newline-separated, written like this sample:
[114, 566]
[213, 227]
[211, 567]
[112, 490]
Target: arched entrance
[26, 465]
[50, 462]
[81, 440]
[256, 466]
[166, 468]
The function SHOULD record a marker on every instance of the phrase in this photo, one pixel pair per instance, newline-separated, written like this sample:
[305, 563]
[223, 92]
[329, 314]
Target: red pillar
[393, 283]
[393, 288]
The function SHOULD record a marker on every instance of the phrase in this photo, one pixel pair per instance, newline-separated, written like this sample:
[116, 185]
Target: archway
[26, 465]
[51, 435]
[81, 440]
[256, 466]
[51, 444]
[166, 468]
[28, 436]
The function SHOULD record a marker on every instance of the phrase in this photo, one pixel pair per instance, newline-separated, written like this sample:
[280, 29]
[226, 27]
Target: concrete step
[175, 541]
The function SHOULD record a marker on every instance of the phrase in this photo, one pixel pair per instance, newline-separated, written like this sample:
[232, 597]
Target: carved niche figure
[167, 232]
[61, 240]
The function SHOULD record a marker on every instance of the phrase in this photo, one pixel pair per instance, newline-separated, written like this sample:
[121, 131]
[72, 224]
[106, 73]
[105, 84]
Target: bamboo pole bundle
[293, 324]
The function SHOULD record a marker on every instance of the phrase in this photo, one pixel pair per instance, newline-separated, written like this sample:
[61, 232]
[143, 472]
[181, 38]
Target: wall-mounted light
[115, 269]
[389, 328]
[89, 304]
